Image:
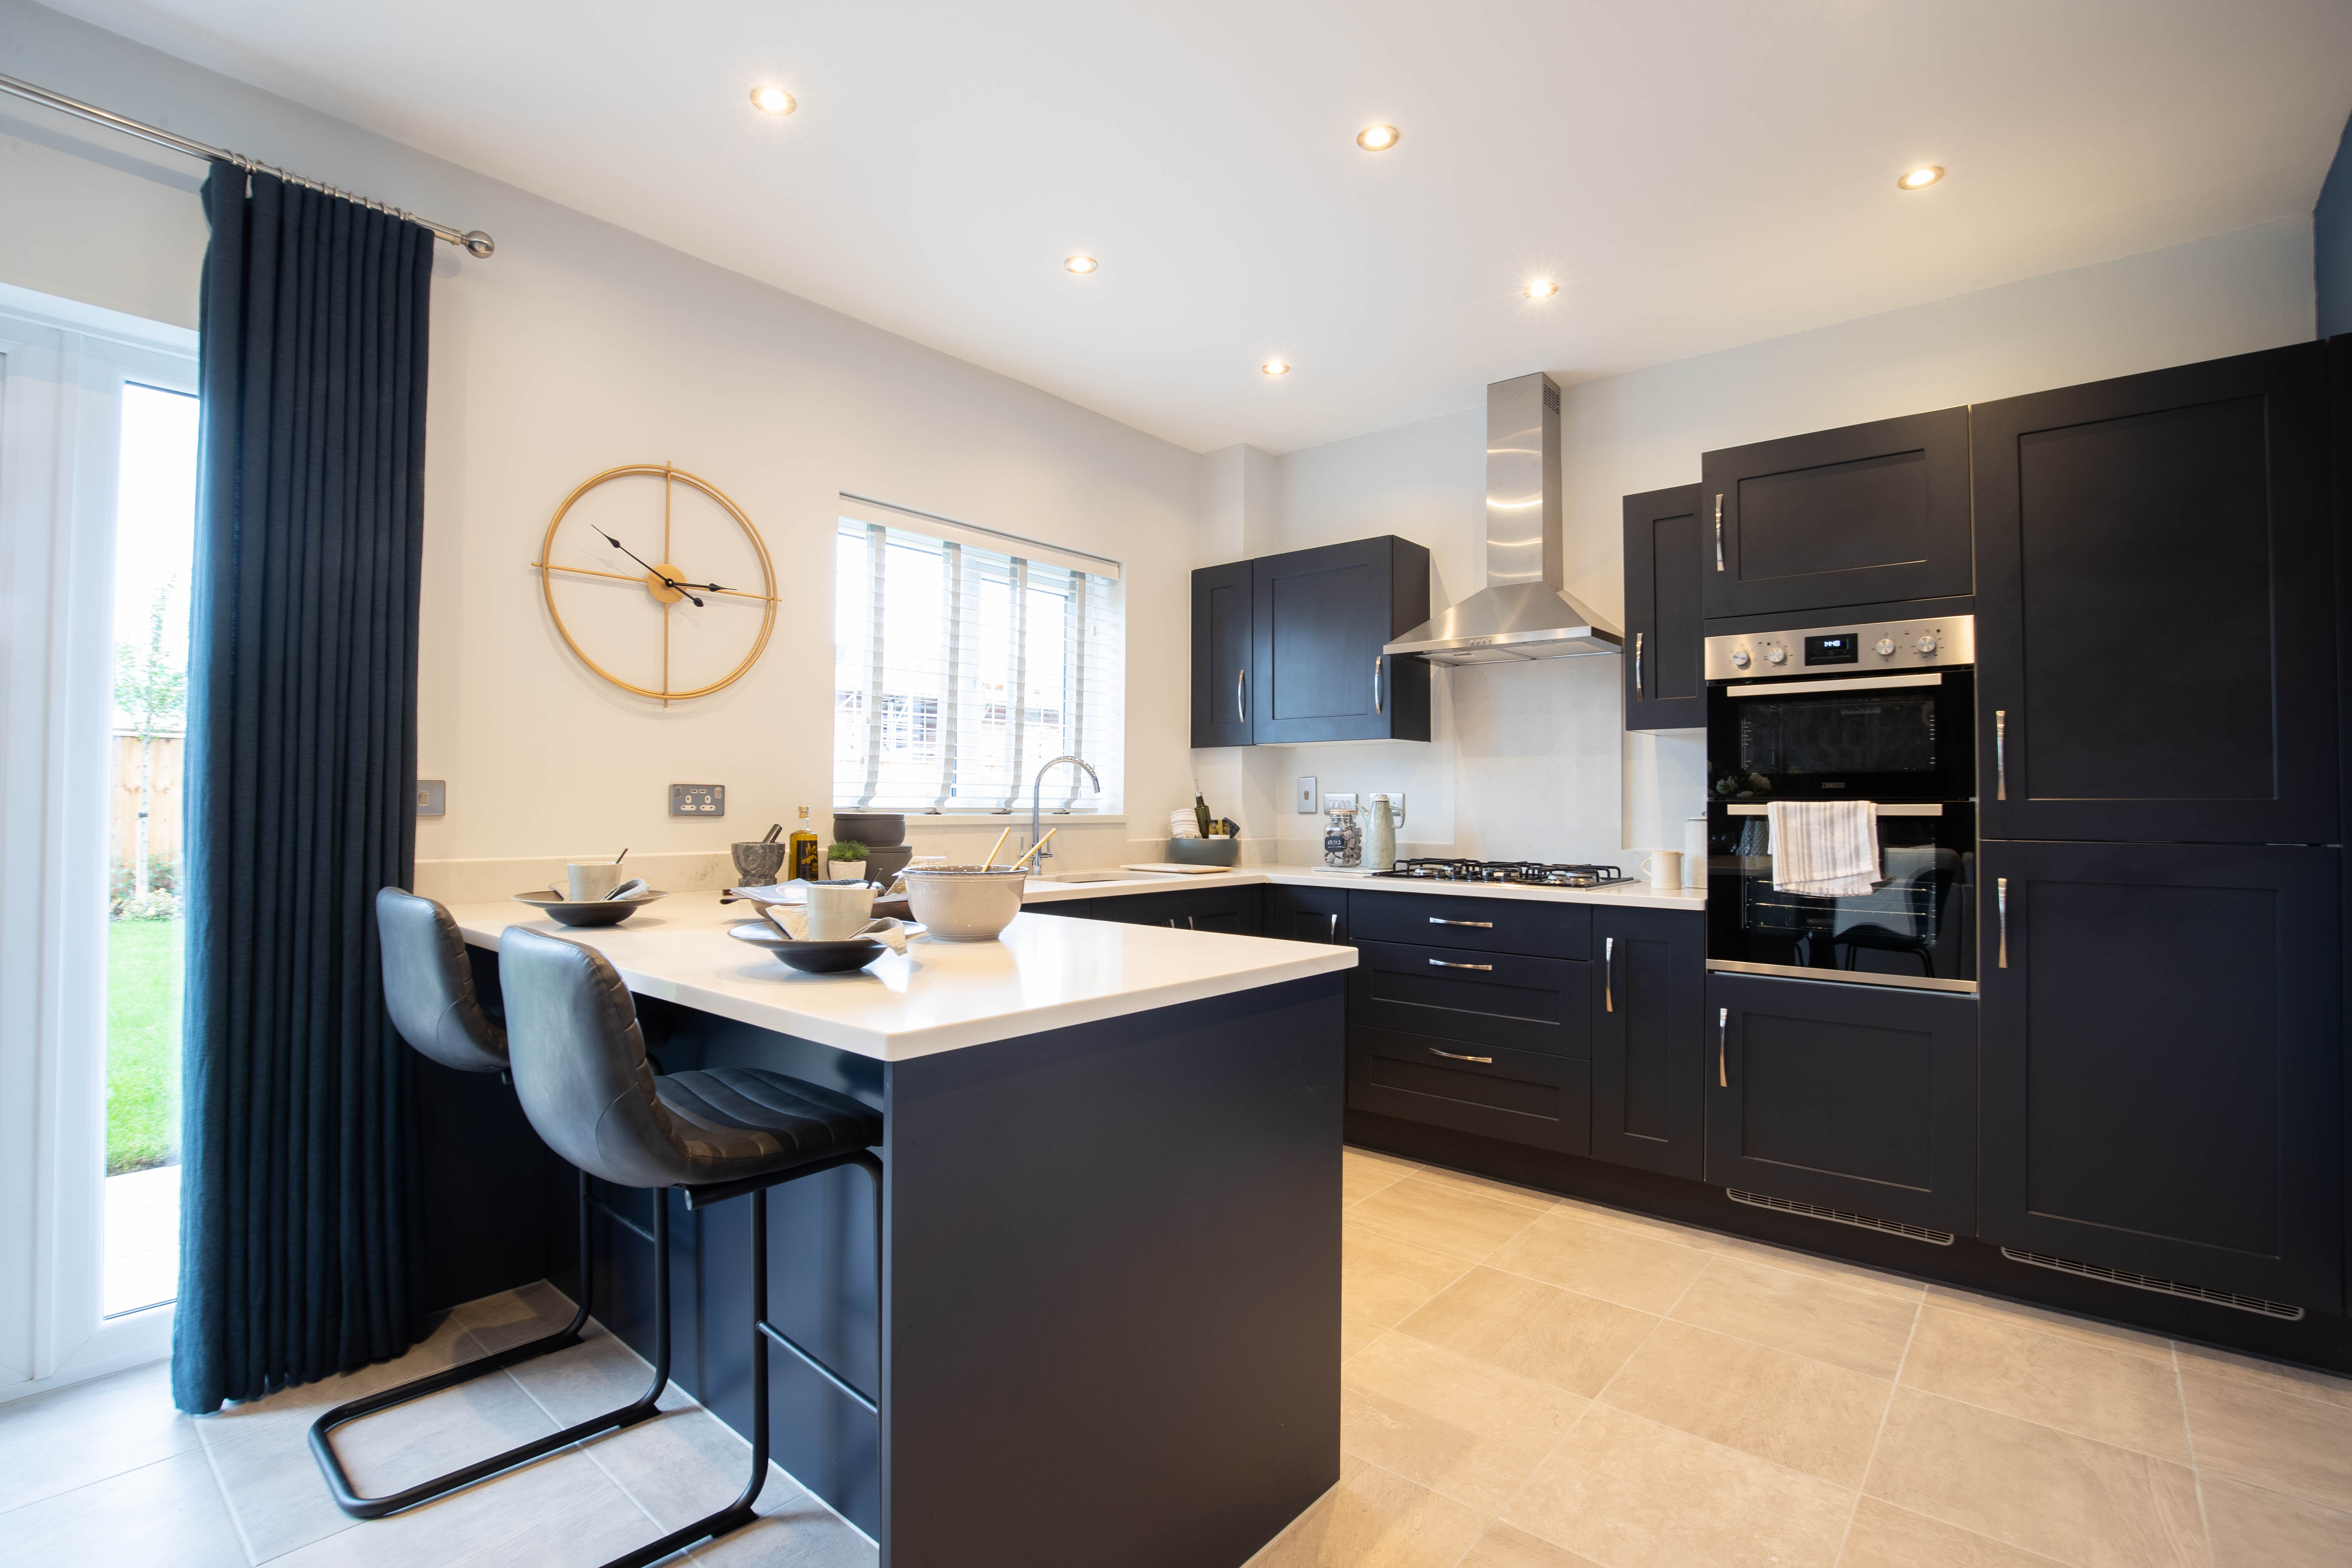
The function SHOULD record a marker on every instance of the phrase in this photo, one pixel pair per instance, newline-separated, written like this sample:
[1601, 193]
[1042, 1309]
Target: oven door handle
[1881, 808]
[1847, 683]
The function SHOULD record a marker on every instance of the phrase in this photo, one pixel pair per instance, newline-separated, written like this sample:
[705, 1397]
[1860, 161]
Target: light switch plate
[432, 797]
[697, 800]
[1307, 795]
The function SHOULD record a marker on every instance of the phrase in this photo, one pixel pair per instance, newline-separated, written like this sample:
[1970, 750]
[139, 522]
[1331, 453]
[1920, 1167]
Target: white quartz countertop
[1623, 895]
[1047, 972]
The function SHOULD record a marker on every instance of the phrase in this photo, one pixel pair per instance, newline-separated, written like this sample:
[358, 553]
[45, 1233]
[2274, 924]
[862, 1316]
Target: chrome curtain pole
[475, 242]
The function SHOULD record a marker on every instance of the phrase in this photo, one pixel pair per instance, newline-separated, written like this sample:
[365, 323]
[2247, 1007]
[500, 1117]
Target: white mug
[838, 910]
[593, 879]
[1665, 869]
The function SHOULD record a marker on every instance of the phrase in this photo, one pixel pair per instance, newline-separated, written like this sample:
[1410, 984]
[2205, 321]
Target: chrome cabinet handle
[1456, 1056]
[1376, 682]
[1241, 701]
[1443, 964]
[1722, 1030]
[2000, 905]
[1637, 664]
[1718, 533]
[2000, 753]
[1189, 924]
[1333, 916]
[1608, 973]
[1482, 925]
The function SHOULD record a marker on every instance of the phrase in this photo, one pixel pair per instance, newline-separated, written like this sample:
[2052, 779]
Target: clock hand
[666, 581]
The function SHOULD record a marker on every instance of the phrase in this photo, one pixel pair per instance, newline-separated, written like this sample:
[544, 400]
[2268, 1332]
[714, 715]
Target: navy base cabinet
[2162, 1050]
[1649, 1090]
[1861, 1099]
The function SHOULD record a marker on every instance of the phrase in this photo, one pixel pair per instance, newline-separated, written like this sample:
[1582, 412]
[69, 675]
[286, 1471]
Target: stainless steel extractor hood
[1522, 612]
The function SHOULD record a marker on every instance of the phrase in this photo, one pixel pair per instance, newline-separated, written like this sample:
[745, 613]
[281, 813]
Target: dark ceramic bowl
[593, 913]
[815, 957]
[875, 830]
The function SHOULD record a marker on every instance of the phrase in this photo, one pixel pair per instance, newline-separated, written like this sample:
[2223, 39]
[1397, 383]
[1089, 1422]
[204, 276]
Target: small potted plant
[845, 862]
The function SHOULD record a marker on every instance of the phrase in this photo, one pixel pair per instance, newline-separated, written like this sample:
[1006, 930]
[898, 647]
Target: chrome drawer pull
[1722, 1029]
[2001, 902]
[1452, 1056]
[1608, 970]
[1333, 916]
[1718, 533]
[2000, 753]
[1241, 701]
[1443, 964]
[1376, 682]
[1482, 925]
[1637, 666]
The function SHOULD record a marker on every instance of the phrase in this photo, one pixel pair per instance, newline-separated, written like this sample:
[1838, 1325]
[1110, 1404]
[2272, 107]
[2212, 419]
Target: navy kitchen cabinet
[2162, 1057]
[1836, 520]
[1649, 1087]
[1221, 654]
[1858, 1099]
[1237, 911]
[2156, 633]
[1306, 914]
[1665, 653]
[1520, 1097]
[1488, 925]
[1320, 620]
[1487, 998]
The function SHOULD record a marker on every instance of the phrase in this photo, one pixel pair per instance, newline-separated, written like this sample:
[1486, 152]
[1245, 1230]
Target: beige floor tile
[1790, 1409]
[1791, 1261]
[563, 1512]
[1504, 1547]
[2230, 1366]
[2063, 1324]
[1454, 1219]
[1885, 1536]
[166, 1513]
[1356, 1332]
[1383, 1279]
[1643, 1225]
[1455, 1425]
[2013, 1366]
[1375, 1520]
[1622, 1491]
[2086, 1503]
[1526, 1198]
[1534, 1329]
[69, 1437]
[1620, 1265]
[1362, 1173]
[793, 1530]
[1810, 1314]
[510, 1317]
[2252, 1528]
[2279, 1441]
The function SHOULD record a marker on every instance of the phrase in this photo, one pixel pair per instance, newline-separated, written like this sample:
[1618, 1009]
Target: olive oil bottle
[803, 862]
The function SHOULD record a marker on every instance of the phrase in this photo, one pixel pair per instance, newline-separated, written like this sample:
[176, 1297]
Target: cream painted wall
[579, 346]
[1529, 760]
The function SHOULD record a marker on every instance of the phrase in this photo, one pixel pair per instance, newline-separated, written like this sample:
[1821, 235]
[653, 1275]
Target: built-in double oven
[1884, 711]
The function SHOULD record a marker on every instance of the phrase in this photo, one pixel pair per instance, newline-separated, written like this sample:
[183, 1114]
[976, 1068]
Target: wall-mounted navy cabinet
[1866, 515]
[1649, 1090]
[2155, 610]
[1289, 648]
[1861, 1099]
[1665, 554]
[2162, 1056]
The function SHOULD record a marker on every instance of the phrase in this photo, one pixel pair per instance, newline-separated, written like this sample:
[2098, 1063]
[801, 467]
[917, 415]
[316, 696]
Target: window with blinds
[959, 670]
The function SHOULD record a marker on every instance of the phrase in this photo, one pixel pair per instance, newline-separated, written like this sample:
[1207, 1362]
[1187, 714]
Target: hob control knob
[1926, 644]
[1882, 646]
[1777, 655]
[1740, 658]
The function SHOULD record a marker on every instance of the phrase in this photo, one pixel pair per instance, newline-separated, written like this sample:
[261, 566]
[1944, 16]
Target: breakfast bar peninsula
[1104, 1326]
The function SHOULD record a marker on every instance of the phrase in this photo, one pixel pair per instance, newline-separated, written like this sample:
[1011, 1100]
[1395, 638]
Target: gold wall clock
[676, 599]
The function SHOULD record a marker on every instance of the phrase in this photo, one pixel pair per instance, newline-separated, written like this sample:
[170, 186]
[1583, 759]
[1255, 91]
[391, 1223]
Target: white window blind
[959, 670]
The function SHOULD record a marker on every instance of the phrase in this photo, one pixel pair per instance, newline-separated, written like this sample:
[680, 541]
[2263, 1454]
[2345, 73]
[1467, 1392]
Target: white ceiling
[1696, 174]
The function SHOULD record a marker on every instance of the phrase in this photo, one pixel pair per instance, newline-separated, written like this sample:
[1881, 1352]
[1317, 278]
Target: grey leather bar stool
[428, 989]
[579, 1064]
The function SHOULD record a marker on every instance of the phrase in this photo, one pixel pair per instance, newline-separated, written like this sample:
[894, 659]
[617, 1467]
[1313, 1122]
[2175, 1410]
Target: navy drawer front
[1461, 994]
[1488, 925]
[1523, 1097]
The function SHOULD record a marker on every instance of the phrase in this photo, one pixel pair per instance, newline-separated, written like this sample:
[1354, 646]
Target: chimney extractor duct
[1522, 612]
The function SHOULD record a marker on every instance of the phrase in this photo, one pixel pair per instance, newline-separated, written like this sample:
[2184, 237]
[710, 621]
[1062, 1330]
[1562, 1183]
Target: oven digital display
[1839, 648]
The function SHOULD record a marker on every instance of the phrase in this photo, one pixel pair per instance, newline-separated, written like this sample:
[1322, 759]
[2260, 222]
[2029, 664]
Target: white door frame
[63, 366]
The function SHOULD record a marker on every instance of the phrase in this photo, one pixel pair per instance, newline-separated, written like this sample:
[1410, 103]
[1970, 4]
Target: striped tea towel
[1825, 849]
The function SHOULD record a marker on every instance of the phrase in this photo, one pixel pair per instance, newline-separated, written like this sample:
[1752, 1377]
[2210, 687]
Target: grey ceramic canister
[1380, 835]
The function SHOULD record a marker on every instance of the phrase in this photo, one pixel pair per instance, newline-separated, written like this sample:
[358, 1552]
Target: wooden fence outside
[163, 814]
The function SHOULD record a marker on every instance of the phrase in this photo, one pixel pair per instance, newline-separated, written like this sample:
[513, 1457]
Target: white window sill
[995, 818]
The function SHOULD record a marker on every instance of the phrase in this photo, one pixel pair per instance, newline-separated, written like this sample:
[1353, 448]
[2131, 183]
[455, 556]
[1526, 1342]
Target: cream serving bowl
[964, 903]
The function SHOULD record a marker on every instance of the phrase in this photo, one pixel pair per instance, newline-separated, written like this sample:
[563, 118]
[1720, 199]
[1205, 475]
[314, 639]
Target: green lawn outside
[142, 1044]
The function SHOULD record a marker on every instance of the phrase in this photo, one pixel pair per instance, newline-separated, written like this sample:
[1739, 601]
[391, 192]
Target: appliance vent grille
[1840, 1216]
[2161, 1286]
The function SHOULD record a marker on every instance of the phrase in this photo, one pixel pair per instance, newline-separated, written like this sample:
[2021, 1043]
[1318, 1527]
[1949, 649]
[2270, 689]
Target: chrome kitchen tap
[1036, 788]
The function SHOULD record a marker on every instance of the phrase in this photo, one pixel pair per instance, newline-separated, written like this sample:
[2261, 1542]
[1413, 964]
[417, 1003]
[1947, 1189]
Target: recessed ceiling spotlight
[1275, 367]
[1542, 289]
[1920, 178]
[1378, 137]
[772, 100]
[1081, 264]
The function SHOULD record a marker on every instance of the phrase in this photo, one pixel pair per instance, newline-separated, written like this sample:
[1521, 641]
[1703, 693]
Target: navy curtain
[301, 772]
